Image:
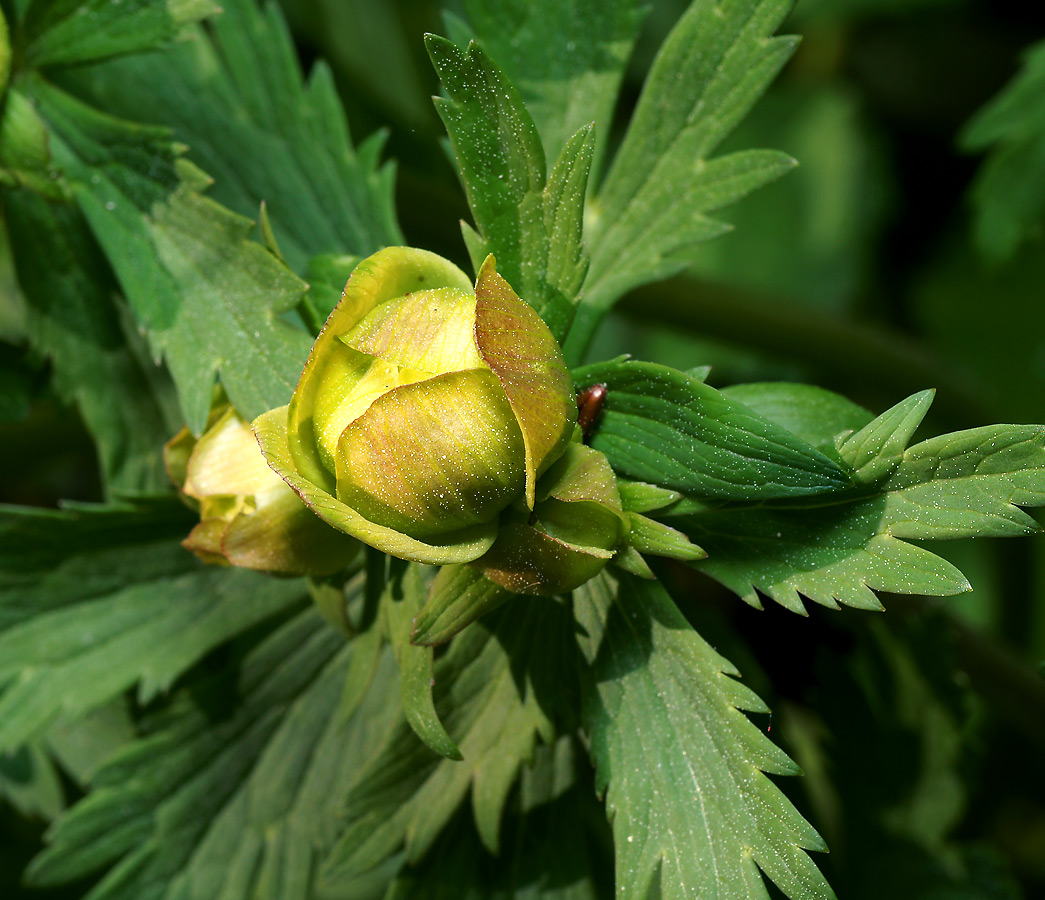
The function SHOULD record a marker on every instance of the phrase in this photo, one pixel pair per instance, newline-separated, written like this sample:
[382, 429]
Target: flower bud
[248, 516]
[426, 408]
[576, 526]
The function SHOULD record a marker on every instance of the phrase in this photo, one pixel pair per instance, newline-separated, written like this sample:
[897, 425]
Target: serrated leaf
[70, 32]
[403, 597]
[529, 220]
[97, 363]
[236, 96]
[81, 631]
[236, 802]
[492, 690]
[663, 183]
[966, 484]
[566, 58]
[1009, 191]
[662, 426]
[682, 767]
[209, 297]
[832, 554]
[969, 484]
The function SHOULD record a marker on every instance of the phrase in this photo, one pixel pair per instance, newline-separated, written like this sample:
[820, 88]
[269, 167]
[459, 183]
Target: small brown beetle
[589, 405]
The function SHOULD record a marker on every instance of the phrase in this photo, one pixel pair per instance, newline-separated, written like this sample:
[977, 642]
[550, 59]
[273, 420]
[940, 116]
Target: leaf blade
[682, 766]
[664, 427]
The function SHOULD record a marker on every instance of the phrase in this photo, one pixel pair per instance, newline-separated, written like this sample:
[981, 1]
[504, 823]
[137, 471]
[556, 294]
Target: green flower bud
[248, 516]
[576, 526]
[426, 408]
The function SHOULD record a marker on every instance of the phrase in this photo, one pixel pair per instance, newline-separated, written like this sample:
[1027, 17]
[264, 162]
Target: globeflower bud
[575, 528]
[426, 408]
[248, 516]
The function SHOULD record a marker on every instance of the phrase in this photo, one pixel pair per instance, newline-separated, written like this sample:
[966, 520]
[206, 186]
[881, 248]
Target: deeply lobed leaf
[104, 601]
[682, 767]
[236, 97]
[531, 222]
[663, 183]
[493, 690]
[842, 549]
[566, 57]
[98, 362]
[71, 32]
[240, 801]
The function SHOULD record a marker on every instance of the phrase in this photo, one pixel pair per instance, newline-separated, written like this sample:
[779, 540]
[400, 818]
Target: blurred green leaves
[1009, 191]
[71, 32]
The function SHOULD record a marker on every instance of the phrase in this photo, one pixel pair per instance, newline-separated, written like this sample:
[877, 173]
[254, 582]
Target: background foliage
[903, 253]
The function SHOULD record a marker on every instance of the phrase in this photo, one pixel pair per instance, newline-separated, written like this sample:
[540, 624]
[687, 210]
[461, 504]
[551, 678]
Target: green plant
[556, 709]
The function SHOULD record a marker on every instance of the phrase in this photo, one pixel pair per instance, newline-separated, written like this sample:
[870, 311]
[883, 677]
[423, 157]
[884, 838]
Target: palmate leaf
[236, 96]
[566, 57]
[70, 32]
[663, 183]
[683, 769]
[530, 220]
[208, 297]
[842, 548]
[126, 402]
[668, 428]
[550, 847]
[94, 600]
[237, 802]
[494, 690]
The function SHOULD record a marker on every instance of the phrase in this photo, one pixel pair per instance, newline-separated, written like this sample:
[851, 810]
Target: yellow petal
[433, 456]
[458, 547]
[387, 274]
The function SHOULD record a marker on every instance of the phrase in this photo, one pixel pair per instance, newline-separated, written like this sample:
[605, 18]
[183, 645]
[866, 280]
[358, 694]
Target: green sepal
[630, 560]
[459, 547]
[402, 600]
[576, 526]
[434, 456]
[458, 596]
[523, 354]
[650, 536]
[643, 497]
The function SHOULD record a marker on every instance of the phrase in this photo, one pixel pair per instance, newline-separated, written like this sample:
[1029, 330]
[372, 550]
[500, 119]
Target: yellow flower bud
[427, 407]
